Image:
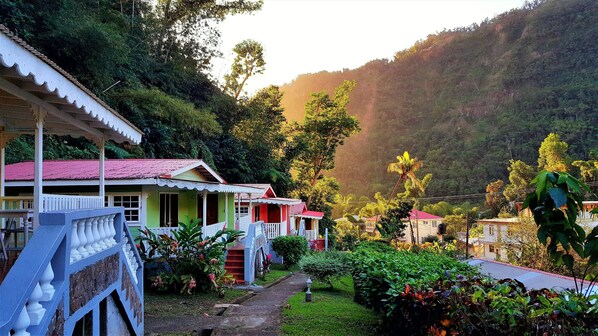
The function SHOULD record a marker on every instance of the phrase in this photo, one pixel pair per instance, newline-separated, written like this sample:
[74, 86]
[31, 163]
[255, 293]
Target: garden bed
[172, 305]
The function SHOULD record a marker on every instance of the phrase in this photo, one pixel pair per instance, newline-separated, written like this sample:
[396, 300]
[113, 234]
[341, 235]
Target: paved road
[532, 279]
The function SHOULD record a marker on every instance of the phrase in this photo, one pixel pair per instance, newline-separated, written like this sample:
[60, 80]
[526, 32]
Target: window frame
[109, 202]
[160, 209]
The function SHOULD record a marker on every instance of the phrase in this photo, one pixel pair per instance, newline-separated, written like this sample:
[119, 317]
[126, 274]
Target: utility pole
[466, 235]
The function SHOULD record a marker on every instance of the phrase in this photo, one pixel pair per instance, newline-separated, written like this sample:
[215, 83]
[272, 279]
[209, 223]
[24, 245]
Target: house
[495, 233]
[156, 193]
[79, 268]
[424, 225]
[282, 216]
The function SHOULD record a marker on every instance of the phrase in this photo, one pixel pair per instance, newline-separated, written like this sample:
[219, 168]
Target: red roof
[89, 169]
[417, 214]
[312, 213]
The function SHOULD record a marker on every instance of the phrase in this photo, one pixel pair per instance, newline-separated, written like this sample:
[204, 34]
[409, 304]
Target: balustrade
[272, 230]
[91, 235]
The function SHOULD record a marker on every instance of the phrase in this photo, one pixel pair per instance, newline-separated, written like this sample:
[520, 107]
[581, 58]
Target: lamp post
[308, 292]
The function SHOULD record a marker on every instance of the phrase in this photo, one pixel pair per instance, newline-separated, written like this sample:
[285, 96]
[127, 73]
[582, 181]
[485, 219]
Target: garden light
[308, 292]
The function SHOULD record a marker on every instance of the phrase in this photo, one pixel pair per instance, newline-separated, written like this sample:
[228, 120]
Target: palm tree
[406, 168]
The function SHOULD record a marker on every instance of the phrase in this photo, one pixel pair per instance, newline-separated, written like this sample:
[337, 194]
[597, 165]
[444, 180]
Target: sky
[307, 36]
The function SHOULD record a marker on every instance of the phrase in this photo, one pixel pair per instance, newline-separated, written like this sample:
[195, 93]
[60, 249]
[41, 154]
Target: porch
[70, 268]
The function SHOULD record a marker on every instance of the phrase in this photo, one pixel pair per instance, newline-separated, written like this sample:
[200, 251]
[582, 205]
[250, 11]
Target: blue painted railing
[256, 245]
[74, 261]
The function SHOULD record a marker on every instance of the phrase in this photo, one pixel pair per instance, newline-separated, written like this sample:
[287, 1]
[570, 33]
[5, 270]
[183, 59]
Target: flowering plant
[186, 261]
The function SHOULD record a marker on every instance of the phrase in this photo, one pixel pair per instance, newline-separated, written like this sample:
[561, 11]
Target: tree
[553, 154]
[248, 62]
[495, 200]
[520, 181]
[325, 127]
[555, 204]
[391, 224]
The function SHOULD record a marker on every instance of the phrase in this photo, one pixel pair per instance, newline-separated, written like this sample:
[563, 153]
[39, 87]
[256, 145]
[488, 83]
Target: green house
[156, 193]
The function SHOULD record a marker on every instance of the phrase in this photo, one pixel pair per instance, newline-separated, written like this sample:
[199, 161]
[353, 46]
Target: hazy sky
[306, 36]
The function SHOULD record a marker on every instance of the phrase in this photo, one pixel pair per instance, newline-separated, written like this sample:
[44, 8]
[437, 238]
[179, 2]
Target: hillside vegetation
[468, 100]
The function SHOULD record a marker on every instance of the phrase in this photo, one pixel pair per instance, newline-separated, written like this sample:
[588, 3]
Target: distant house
[424, 224]
[495, 232]
[156, 193]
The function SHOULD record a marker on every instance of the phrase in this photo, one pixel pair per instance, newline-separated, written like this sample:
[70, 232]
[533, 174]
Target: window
[257, 213]
[425, 222]
[434, 224]
[131, 203]
[169, 210]
[491, 230]
[491, 248]
[244, 211]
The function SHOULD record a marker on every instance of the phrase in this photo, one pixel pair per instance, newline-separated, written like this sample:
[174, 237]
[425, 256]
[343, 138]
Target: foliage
[376, 246]
[326, 266]
[248, 62]
[553, 154]
[347, 234]
[406, 167]
[290, 248]
[391, 224]
[325, 127]
[555, 205]
[186, 261]
[431, 294]
[495, 200]
[520, 181]
[430, 239]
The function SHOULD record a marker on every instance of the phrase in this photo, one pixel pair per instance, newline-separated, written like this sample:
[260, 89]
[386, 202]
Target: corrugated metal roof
[89, 169]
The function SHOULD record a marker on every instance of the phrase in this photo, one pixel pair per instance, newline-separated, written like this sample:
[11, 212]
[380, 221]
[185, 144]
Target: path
[260, 315]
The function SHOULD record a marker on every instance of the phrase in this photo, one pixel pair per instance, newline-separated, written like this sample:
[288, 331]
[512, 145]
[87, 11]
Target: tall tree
[495, 200]
[325, 127]
[248, 62]
[520, 181]
[553, 154]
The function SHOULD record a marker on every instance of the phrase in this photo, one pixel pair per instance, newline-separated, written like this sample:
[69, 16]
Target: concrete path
[259, 315]
[531, 278]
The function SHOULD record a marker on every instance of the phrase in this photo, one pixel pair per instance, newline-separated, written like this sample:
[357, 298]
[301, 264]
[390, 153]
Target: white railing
[91, 235]
[244, 223]
[17, 202]
[310, 235]
[133, 261]
[272, 230]
[70, 202]
[210, 230]
[164, 230]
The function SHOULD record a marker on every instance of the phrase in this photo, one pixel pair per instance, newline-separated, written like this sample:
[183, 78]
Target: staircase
[234, 264]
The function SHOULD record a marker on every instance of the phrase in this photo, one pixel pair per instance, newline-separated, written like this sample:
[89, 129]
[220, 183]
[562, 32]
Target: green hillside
[466, 101]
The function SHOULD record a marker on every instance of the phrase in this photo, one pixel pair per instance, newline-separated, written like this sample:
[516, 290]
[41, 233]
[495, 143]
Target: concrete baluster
[46, 283]
[75, 255]
[35, 310]
[21, 324]
[82, 239]
[102, 230]
[89, 235]
[96, 234]
[112, 229]
[107, 240]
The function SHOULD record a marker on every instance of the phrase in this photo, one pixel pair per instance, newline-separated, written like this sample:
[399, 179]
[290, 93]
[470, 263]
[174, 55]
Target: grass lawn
[170, 305]
[332, 312]
[277, 271]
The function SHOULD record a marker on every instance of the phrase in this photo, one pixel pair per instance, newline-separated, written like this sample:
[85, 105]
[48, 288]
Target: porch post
[283, 232]
[2, 164]
[238, 223]
[226, 210]
[250, 211]
[39, 115]
[204, 210]
[102, 147]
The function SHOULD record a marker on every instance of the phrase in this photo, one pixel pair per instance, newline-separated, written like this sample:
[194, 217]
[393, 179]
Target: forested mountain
[468, 100]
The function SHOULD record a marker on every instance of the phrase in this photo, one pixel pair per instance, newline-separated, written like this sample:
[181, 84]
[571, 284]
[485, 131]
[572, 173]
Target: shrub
[428, 293]
[186, 262]
[326, 266]
[290, 248]
[430, 239]
[379, 246]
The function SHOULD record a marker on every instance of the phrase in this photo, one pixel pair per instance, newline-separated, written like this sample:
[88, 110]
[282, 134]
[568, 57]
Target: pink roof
[298, 208]
[89, 169]
[313, 213]
[417, 214]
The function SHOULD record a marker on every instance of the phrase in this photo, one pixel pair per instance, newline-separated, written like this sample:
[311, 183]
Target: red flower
[214, 261]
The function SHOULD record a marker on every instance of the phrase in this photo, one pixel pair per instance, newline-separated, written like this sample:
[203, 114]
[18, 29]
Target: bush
[326, 266]
[428, 293]
[379, 246]
[186, 262]
[430, 239]
[290, 248]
